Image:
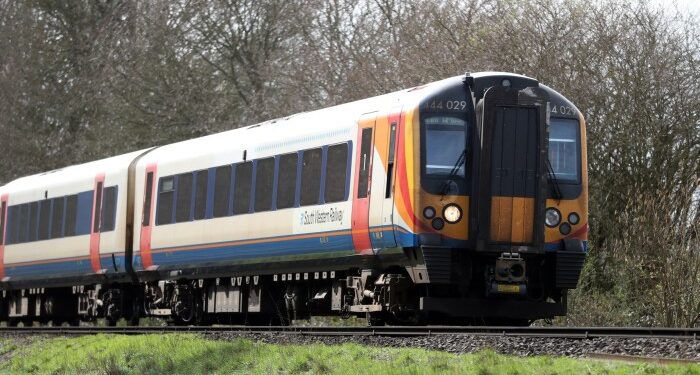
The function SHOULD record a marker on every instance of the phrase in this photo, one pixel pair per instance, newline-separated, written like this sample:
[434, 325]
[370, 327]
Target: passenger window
[222, 190]
[287, 181]
[33, 221]
[3, 210]
[264, 179]
[311, 176]
[57, 218]
[44, 216]
[336, 173]
[23, 221]
[98, 208]
[184, 197]
[365, 163]
[164, 211]
[200, 198]
[147, 200]
[71, 216]
[109, 209]
[241, 193]
[84, 217]
[12, 224]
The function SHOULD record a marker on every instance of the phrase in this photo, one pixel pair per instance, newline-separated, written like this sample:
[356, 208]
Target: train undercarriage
[430, 286]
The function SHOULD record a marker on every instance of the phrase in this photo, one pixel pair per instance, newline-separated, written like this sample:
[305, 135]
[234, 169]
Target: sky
[692, 6]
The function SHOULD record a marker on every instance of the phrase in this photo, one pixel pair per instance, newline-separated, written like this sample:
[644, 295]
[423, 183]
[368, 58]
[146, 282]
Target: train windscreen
[564, 150]
[444, 146]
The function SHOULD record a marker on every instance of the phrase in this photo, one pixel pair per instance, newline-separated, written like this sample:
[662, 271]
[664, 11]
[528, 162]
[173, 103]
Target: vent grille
[569, 266]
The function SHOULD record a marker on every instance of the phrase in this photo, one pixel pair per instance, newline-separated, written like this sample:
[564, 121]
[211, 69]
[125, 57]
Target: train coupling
[507, 276]
[510, 268]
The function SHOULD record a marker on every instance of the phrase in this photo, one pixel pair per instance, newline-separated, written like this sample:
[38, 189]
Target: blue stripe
[68, 268]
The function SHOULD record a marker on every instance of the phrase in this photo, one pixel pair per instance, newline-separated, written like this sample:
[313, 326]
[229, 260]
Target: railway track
[389, 331]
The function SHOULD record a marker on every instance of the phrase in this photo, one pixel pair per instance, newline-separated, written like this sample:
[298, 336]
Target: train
[463, 200]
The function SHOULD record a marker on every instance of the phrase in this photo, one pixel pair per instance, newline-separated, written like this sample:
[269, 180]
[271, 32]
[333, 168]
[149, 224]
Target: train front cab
[501, 209]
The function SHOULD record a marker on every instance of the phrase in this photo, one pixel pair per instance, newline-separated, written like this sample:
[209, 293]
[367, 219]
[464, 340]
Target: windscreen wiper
[553, 179]
[453, 173]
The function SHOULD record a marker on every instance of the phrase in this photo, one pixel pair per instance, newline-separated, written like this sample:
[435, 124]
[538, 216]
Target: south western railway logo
[321, 216]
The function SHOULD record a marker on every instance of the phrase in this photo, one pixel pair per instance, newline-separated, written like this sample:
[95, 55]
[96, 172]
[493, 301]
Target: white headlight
[452, 213]
[552, 217]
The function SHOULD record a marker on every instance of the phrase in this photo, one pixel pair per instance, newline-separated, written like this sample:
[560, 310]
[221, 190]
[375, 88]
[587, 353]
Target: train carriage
[460, 200]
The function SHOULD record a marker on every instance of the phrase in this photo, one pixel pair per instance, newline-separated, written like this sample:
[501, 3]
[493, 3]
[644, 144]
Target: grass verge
[191, 354]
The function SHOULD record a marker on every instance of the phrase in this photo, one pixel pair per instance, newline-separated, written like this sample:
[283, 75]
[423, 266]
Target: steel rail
[546, 332]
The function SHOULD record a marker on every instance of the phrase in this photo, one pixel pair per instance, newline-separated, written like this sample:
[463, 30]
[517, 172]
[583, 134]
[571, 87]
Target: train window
[98, 208]
[3, 213]
[164, 210]
[311, 176]
[336, 173]
[12, 224]
[264, 179]
[147, 200]
[109, 209]
[222, 190]
[84, 217]
[44, 219]
[564, 149]
[287, 180]
[444, 145]
[57, 218]
[390, 162]
[23, 222]
[3, 210]
[241, 191]
[33, 221]
[200, 198]
[184, 197]
[365, 162]
[71, 215]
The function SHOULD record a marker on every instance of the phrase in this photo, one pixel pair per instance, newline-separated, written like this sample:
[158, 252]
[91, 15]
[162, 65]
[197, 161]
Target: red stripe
[145, 240]
[3, 199]
[95, 234]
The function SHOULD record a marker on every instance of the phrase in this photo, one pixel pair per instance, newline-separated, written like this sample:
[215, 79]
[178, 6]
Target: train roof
[258, 137]
[60, 175]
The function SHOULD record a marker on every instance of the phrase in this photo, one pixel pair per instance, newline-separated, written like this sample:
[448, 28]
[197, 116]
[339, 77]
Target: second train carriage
[463, 198]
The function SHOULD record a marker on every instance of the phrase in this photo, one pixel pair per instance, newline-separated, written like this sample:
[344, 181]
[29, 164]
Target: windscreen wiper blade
[552, 177]
[453, 173]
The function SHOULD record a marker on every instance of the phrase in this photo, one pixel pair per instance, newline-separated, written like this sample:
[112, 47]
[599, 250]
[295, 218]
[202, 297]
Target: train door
[512, 178]
[362, 185]
[382, 201]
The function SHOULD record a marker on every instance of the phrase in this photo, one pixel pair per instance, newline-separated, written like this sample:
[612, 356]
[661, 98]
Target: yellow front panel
[512, 219]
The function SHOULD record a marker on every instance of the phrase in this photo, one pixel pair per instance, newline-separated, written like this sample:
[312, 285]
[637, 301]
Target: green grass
[191, 354]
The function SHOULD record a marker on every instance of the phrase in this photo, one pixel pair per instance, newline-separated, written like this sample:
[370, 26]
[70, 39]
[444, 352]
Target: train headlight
[429, 212]
[573, 218]
[452, 213]
[552, 217]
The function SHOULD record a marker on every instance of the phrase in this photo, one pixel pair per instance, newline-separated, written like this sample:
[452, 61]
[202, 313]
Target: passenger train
[462, 200]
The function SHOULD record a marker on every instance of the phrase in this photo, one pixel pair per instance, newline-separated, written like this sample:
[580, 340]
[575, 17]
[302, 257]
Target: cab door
[362, 184]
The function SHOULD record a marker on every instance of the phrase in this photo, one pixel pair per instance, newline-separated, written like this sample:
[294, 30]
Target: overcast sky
[692, 6]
